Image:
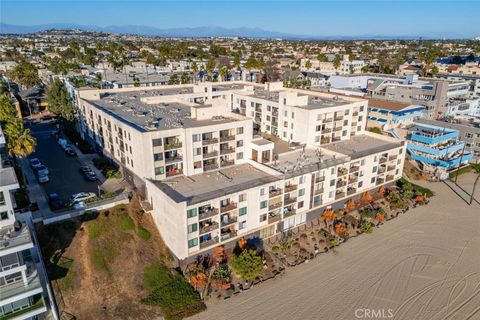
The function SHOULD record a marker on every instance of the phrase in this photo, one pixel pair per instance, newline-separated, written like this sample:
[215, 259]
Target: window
[197, 151]
[285, 124]
[263, 217]
[263, 204]
[373, 180]
[4, 215]
[293, 115]
[193, 243]
[360, 184]
[157, 156]
[240, 130]
[159, 170]
[196, 137]
[242, 225]
[300, 205]
[344, 133]
[191, 213]
[268, 118]
[239, 155]
[332, 182]
[2, 198]
[285, 113]
[242, 197]
[157, 142]
[362, 163]
[239, 143]
[468, 135]
[332, 171]
[302, 179]
[192, 227]
[262, 191]
[269, 108]
[301, 192]
[347, 112]
[242, 211]
[317, 139]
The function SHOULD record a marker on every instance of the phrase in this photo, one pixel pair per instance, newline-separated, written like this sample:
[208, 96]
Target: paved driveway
[422, 265]
[65, 176]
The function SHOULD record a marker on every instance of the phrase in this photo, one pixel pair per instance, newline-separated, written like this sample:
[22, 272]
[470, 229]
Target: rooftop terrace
[210, 185]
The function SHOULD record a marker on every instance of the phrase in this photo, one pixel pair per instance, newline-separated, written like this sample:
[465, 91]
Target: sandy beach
[423, 265]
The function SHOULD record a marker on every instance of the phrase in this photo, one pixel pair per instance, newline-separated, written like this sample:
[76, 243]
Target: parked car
[42, 170]
[35, 163]
[55, 201]
[43, 178]
[33, 206]
[84, 169]
[82, 196]
[70, 152]
[91, 176]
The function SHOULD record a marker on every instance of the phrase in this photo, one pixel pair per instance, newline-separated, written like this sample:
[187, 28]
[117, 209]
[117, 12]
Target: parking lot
[64, 171]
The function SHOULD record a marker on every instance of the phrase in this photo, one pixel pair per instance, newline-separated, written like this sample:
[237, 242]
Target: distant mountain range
[197, 32]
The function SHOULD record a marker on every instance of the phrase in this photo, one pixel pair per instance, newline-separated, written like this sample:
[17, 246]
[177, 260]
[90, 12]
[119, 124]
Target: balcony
[173, 145]
[228, 235]
[319, 179]
[274, 218]
[354, 124]
[342, 172]
[210, 154]
[227, 151]
[208, 243]
[209, 167]
[228, 207]
[380, 181]
[177, 158]
[352, 179]
[339, 195]
[336, 129]
[275, 205]
[227, 220]
[174, 172]
[383, 160]
[390, 168]
[275, 193]
[341, 183]
[209, 227]
[389, 177]
[354, 169]
[318, 191]
[392, 157]
[209, 141]
[289, 212]
[355, 113]
[289, 200]
[226, 163]
[351, 191]
[327, 130]
[227, 138]
[291, 187]
[275, 113]
[210, 212]
[338, 118]
[381, 170]
[328, 120]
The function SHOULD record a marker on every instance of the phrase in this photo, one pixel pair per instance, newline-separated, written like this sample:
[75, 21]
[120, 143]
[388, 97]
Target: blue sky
[439, 18]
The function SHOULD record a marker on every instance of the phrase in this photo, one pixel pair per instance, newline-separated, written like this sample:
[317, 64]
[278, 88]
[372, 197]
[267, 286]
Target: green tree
[173, 79]
[185, 78]
[223, 72]
[59, 101]
[237, 60]
[20, 142]
[4, 87]
[7, 109]
[337, 62]
[248, 264]
[308, 64]
[25, 74]
[210, 67]
[322, 57]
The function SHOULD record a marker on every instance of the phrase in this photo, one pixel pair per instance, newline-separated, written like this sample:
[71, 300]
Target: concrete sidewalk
[35, 192]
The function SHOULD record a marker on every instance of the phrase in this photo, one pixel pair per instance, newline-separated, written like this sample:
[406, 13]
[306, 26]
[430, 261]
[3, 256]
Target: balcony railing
[290, 200]
[328, 120]
[209, 141]
[226, 163]
[228, 235]
[229, 221]
[209, 167]
[389, 178]
[390, 168]
[209, 228]
[392, 157]
[380, 181]
[383, 160]
[338, 118]
[318, 191]
[336, 129]
[173, 159]
[319, 179]
[342, 172]
[339, 195]
[208, 213]
[355, 113]
[227, 151]
[354, 168]
[176, 172]
[228, 207]
[227, 138]
[173, 145]
[275, 205]
[208, 243]
[289, 213]
[341, 184]
[290, 187]
[352, 179]
[210, 154]
[274, 193]
[351, 191]
[275, 218]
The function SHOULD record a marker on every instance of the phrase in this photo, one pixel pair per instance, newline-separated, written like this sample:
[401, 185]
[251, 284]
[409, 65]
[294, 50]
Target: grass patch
[404, 184]
[469, 168]
[108, 170]
[171, 292]
[143, 233]
[126, 223]
[376, 130]
[98, 260]
[95, 229]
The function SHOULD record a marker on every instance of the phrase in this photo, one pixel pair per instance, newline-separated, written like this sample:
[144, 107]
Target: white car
[43, 178]
[42, 170]
[82, 196]
[35, 163]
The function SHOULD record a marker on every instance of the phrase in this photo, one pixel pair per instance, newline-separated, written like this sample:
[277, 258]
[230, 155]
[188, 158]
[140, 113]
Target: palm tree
[223, 73]
[337, 62]
[20, 142]
[7, 109]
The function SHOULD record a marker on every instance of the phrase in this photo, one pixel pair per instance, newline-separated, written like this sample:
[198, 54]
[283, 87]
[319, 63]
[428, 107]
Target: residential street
[422, 265]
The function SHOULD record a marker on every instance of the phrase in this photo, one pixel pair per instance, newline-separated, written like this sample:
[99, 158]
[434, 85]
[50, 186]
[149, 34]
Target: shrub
[276, 249]
[143, 233]
[375, 130]
[366, 227]
[171, 292]
[406, 185]
[248, 264]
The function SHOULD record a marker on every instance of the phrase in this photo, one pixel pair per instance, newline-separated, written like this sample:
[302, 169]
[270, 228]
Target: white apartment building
[347, 66]
[21, 293]
[197, 152]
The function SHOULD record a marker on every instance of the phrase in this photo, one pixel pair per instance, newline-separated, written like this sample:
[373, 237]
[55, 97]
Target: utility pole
[473, 189]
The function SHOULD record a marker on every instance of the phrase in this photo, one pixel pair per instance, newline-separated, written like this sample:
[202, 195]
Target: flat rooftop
[361, 146]
[316, 102]
[387, 104]
[7, 177]
[128, 107]
[210, 185]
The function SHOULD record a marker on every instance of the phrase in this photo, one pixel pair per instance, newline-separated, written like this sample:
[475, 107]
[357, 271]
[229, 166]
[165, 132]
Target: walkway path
[422, 265]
